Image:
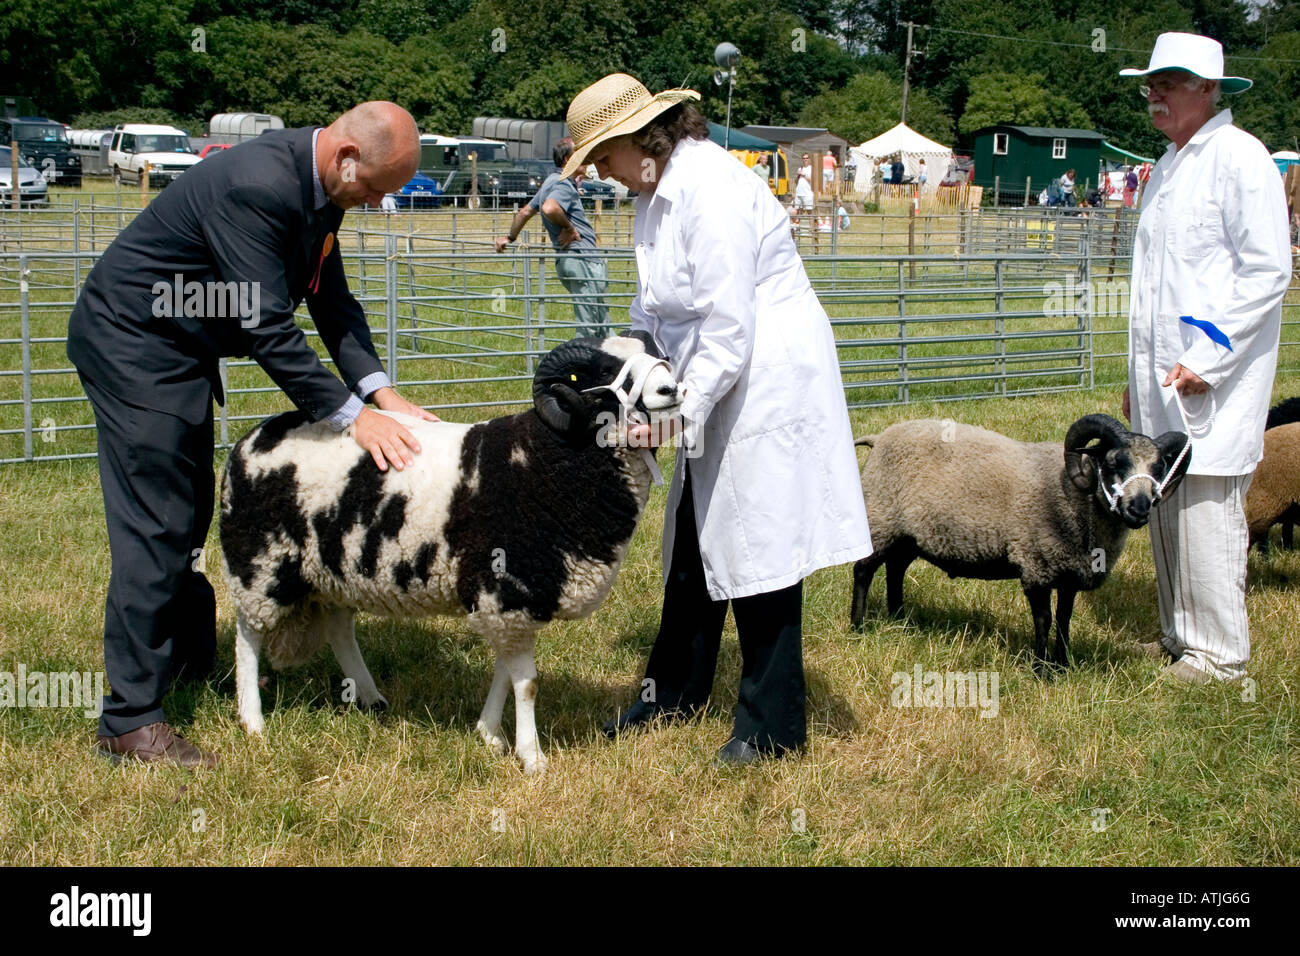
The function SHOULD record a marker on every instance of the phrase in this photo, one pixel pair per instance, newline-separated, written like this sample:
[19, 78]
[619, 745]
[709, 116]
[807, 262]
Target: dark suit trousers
[156, 473]
[770, 713]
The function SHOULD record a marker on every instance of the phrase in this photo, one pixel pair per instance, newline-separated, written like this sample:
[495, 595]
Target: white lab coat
[723, 291]
[1212, 244]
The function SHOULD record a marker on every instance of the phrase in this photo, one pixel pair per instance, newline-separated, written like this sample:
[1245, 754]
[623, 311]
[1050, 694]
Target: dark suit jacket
[243, 216]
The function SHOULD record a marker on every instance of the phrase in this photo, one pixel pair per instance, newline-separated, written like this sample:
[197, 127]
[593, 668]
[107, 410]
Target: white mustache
[1154, 108]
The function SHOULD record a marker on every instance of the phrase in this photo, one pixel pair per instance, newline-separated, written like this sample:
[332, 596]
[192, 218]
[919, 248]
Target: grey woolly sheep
[1274, 491]
[977, 504]
[511, 522]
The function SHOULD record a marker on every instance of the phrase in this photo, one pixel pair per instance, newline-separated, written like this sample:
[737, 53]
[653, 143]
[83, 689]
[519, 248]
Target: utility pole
[907, 67]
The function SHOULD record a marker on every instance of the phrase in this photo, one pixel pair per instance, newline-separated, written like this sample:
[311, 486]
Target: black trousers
[156, 473]
[770, 712]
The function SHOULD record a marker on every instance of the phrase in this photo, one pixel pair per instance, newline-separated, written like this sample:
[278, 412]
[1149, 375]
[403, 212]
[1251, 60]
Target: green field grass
[1178, 775]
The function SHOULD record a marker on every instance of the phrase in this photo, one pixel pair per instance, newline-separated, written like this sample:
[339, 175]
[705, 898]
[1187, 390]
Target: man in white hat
[1210, 268]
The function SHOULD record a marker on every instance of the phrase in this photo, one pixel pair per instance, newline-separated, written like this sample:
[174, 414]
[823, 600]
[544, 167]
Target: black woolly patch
[289, 586]
[272, 431]
[259, 511]
[357, 505]
[391, 519]
[512, 533]
[405, 571]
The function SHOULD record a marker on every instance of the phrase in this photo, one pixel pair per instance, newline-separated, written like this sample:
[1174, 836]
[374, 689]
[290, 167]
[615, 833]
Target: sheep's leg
[340, 630]
[523, 675]
[864, 572]
[489, 722]
[248, 698]
[1040, 606]
[1064, 608]
[900, 559]
[1288, 534]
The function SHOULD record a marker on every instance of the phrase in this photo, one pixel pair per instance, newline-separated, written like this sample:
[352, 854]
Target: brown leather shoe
[154, 743]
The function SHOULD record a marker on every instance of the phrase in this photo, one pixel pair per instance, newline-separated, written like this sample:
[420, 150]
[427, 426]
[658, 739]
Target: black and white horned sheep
[1274, 492]
[511, 522]
[979, 505]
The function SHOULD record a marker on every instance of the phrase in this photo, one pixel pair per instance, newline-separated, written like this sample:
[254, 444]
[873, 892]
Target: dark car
[593, 189]
[522, 182]
[43, 145]
[422, 192]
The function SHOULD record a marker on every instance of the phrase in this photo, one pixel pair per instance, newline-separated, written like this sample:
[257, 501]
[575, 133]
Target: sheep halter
[1199, 431]
[639, 368]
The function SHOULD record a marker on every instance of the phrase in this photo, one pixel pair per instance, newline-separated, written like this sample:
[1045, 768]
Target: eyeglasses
[1163, 85]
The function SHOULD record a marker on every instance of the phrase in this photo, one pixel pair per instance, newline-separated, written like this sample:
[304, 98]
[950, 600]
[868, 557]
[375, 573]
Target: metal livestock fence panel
[460, 327]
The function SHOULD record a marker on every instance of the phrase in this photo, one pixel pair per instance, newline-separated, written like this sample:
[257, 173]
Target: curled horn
[1079, 466]
[559, 405]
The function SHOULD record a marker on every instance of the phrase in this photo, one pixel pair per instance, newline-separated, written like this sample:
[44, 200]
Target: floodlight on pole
[726, 56]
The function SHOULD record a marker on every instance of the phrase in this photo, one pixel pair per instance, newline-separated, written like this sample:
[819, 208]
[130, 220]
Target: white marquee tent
[913, 147]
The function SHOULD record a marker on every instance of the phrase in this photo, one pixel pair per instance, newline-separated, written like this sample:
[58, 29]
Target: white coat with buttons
[721, 288]
[1211, 245]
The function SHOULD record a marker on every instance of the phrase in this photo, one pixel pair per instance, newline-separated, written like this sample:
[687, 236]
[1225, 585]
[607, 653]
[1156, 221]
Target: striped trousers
[1199, 541]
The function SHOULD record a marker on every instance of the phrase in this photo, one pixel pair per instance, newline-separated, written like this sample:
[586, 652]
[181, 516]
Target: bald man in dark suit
[215, 266]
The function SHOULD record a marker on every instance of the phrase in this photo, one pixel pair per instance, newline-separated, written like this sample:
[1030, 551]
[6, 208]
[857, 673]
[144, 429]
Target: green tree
[870, 103]
[1021, 99]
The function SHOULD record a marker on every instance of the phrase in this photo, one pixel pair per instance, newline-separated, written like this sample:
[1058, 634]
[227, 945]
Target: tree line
[837, 64]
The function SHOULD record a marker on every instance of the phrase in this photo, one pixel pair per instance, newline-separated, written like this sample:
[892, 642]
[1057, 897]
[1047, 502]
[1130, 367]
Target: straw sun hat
[614, 106]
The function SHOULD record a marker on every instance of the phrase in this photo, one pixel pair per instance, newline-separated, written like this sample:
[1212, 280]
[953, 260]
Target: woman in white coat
[766, 488]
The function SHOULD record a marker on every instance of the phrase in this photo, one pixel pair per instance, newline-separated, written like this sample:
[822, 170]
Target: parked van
[166, 149]
[446, 159]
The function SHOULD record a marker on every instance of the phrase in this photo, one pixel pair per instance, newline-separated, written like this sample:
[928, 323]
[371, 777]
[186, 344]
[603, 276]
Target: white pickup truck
[166, 149]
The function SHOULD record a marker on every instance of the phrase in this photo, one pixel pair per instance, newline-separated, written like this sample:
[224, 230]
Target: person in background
[1211, 266]
[1067, 188]
[1130, 186]
[828, 171]
[579, 265]
[766, 487]
[761, 169]
[803, 190]
[896, 170]
[920, 172]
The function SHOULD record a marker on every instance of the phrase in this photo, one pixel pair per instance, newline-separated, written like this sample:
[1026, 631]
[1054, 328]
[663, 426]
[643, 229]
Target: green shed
[1037, 153]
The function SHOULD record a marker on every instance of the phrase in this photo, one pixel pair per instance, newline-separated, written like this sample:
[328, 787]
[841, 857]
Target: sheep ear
[1081, 469]
[562, 408]
[1171, 445]
[645, 338]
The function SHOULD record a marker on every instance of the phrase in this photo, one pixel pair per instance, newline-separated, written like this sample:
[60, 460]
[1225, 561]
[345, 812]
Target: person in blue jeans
[580, 267]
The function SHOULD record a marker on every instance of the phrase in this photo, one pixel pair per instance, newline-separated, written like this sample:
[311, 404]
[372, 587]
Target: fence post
[1026, 203]
[224, 372]
[1085, 315]
[390, 302]
[997, 191]
[902, 336]
[76, 246]
[528, 313]
[999, 325]
[27, 355]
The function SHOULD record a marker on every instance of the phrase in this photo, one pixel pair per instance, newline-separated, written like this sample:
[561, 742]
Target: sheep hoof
[376, 706]
[533, 765]
[253, 727]
[495, 742]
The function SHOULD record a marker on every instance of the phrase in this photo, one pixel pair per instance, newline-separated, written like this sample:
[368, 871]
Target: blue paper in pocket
[1215, 333]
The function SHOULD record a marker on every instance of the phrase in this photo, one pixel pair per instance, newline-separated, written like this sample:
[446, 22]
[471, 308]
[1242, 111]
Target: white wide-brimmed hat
[1196, 54]
[613, 106]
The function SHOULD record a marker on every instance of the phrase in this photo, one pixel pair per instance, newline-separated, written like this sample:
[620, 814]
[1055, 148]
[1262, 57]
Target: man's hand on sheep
[1186, 381]
[388, 441]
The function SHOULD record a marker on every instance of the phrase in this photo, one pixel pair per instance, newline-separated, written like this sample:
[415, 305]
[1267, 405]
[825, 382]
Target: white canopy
[912, 146]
